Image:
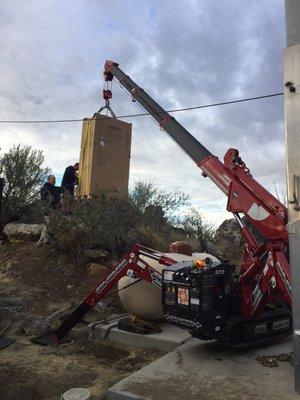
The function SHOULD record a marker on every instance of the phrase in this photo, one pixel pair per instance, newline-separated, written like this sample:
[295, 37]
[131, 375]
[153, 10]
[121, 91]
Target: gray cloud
[183, 53]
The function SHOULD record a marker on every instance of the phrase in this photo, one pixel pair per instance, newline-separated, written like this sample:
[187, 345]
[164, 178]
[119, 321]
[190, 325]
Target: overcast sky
[183, 53]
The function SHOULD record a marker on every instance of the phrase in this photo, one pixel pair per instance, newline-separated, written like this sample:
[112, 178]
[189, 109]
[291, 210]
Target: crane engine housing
[201, 297]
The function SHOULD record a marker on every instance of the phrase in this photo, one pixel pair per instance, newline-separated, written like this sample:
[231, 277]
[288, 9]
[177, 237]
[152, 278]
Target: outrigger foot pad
[44, 340]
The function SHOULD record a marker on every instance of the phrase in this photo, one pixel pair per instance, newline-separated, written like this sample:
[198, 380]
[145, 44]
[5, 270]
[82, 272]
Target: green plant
[116, 224]
[157, 204]
[147, 216]
[94, 223]
[24, 173]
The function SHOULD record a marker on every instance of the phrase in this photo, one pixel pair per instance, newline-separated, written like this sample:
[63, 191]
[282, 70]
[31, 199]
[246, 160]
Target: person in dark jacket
[69, 180]
[50, 196]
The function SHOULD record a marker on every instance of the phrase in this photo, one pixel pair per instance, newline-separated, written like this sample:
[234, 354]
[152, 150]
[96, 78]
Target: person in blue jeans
[50, 197]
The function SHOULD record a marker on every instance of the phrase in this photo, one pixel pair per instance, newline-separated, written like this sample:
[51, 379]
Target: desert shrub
[24, 173]
[156, 204]
[110, 224]
[195, 227]
[149, 216]
[34, 214]
[116, 224]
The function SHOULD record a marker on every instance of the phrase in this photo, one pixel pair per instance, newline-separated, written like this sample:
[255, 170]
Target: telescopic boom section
[178, 133]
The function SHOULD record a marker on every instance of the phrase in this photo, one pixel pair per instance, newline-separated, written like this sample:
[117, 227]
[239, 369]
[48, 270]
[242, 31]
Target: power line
[223, 103]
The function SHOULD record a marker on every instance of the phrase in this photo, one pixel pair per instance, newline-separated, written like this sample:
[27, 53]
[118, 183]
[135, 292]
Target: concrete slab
[166, 341]
[201, 370]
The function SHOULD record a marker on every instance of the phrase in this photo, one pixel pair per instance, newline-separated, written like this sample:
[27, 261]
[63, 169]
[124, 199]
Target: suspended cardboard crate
[104, 157]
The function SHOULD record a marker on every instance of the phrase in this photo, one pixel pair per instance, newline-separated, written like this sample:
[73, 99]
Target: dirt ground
[46, 283]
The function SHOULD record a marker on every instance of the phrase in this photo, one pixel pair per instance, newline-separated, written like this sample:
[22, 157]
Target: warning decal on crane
[183, 296]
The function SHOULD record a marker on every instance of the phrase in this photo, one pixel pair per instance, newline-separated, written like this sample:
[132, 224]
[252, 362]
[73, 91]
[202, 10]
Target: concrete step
[166, 341]
[201, 370]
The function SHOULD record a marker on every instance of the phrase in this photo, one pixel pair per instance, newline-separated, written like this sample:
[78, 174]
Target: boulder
[34, 326]
[213, 249]
[96, 255]
[13, 304]
[97, 271]
[15, 230]
[229, 240]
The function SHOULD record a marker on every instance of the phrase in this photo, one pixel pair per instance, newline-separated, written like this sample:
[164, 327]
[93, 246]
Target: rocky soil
[37, 288]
